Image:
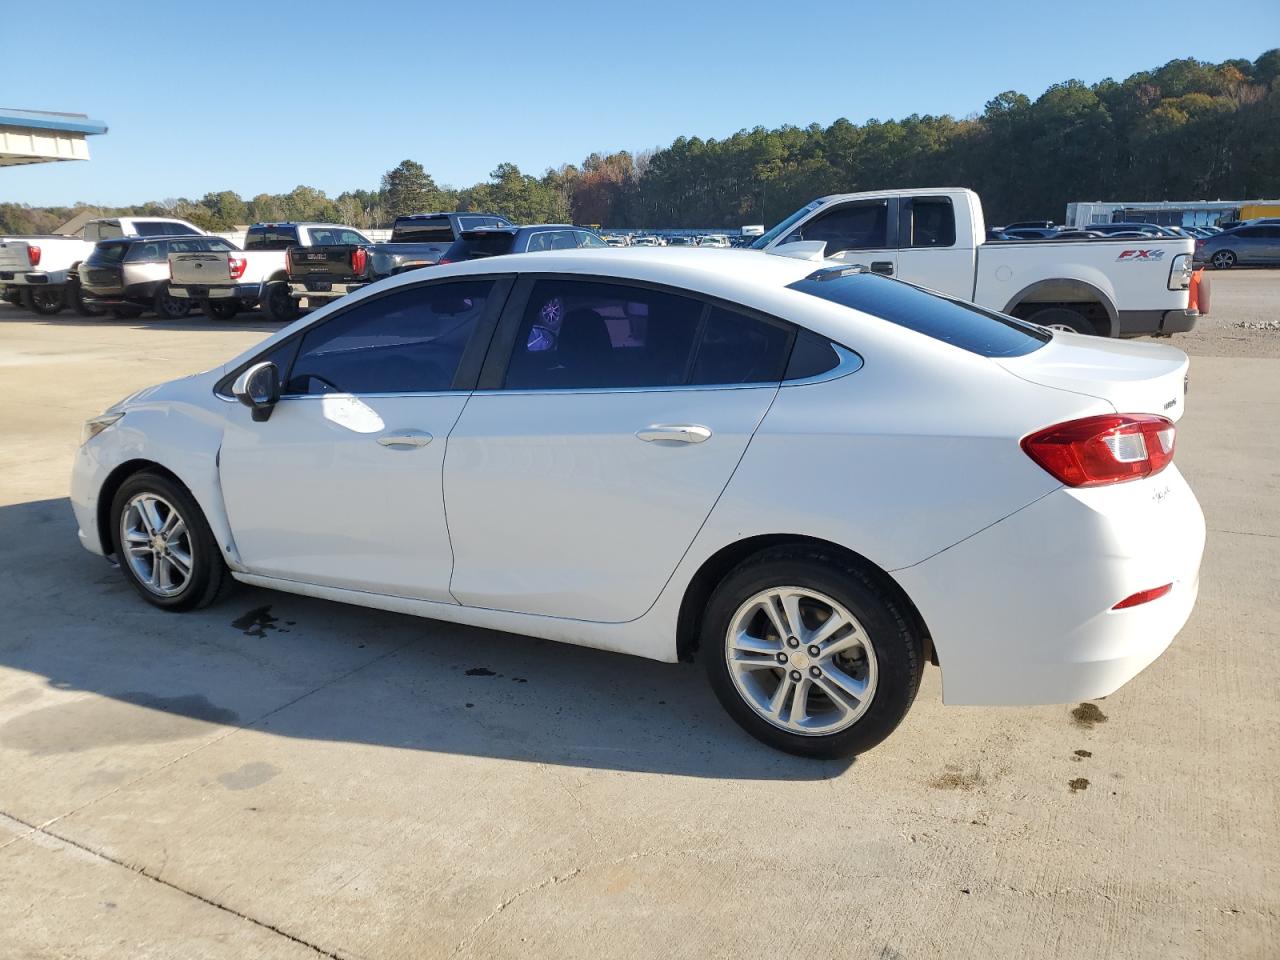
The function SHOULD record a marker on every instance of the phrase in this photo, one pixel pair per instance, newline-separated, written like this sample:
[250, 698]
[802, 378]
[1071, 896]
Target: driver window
[850, 226]
[409, 341]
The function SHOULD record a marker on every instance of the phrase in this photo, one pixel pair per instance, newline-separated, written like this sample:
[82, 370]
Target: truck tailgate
[13, 257]
[199, 268]
[332, 262]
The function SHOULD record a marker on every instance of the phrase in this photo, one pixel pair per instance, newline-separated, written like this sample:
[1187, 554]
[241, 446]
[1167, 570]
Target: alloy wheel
[157, 544]
[801, 660]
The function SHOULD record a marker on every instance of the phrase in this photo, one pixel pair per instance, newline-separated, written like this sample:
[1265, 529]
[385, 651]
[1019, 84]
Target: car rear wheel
[1062, 318]
[164, 544]
[277, 304]
[810, 654]
[45, 301]
[1223, 260]
[220, 309]
[169, 307]
[75, 300]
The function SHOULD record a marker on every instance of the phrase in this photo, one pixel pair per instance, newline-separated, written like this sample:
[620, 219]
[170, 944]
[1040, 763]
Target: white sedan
[814, 478]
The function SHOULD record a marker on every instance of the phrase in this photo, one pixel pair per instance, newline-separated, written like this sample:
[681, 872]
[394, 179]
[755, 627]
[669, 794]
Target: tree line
[1187, 130]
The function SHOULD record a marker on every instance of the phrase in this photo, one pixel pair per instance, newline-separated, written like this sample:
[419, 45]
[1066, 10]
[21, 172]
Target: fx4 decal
[1140, 255]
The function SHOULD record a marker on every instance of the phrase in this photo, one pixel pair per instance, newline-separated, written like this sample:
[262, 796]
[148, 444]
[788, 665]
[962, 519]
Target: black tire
[1057, 318]
[46, 301]
[277, 305]
[1223, 259]
[167, 306]
[895, 643]
[126, 313]
[208, 572]
[73, 295]
[13, 295]
[221, 309]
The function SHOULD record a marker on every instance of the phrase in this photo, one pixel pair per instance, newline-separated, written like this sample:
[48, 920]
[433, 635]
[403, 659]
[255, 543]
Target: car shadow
[298, 667]
[252, 321]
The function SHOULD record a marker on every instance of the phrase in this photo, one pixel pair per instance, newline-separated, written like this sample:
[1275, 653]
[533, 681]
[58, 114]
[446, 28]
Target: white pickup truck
[225, 283]
[42, 270]
[936, 238]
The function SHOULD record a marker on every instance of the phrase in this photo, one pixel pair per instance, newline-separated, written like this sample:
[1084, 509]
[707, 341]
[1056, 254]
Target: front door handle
[675, 433]
[884, 267]
[406, 439]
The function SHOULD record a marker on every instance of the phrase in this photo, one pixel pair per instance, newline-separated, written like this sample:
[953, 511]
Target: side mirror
[258, 388]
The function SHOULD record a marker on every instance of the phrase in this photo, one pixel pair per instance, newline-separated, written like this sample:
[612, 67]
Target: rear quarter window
[951, 321]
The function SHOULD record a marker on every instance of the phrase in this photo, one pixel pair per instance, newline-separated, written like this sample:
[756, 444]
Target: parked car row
[669, 240]
[1045, 230]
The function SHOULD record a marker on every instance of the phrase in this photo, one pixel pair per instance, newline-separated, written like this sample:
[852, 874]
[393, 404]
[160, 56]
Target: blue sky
[260, 97]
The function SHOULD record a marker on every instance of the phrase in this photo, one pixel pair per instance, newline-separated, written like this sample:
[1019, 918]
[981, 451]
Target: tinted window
[811, 356]
[219, 244]
[407, 341]
[951, 321]
[109, 253]
[189, 245]
[327, 236]
[470, 223]
[851, 226]
[271, 238]
[576, 335]
[150, 228]
[539, 241]
[564, 240]
[422, 230]
[472, 246]
[735, 348]
[933, 223]
[148, 251]
[103, 231]
[1251, 232]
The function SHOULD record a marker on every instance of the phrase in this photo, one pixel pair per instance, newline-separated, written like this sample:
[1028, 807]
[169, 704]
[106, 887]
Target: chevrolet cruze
[815, 479]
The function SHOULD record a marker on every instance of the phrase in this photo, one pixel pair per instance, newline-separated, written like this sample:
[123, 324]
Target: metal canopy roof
[39, 136]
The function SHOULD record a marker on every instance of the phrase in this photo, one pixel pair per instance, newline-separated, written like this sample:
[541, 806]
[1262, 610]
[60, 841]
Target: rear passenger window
[409, 341]
[540, 241]
[932, 223]
[735, 348]
[584, 335]
[563, 240]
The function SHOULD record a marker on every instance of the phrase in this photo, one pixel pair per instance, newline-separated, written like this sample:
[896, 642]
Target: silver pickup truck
[325, 272]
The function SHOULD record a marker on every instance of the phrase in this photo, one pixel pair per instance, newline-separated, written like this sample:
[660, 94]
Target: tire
[1063, 318]
[167, 306]
[46, 301]
[277, 305]
[73, 295]
[220, 309]
[883, 653]
[13, 295]
[206, 572]
[126, 313]
[1223, 260]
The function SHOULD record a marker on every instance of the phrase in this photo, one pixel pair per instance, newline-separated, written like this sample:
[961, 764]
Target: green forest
[1186, 130]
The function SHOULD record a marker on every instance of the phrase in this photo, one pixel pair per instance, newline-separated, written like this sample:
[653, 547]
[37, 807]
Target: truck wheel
[1062, 318]
[13, 295]
[277, 304]
[169, 307]
[45, 301]
[1223, 260]
[74, 296]
[220, 309]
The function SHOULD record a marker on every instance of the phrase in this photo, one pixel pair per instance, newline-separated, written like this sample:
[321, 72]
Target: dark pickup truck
[322, 273]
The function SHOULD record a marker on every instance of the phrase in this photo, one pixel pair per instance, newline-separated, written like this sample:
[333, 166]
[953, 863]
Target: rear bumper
[1143, 323]
[1022, 612]
[34, 278]
[135, 294]
[239, 291]
[323, 289]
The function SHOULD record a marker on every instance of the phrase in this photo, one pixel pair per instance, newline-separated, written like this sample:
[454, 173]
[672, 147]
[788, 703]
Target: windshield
[952, 321]
[768, 238]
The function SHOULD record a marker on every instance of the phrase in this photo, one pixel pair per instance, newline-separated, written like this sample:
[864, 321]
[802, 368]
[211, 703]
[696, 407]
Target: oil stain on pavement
[257, 622]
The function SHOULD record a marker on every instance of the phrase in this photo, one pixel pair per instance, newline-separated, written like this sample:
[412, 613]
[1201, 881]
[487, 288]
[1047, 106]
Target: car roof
[909, 192]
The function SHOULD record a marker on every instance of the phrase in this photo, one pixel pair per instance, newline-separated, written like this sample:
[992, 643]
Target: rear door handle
[406, 439]
[675, 432]
[884, 267]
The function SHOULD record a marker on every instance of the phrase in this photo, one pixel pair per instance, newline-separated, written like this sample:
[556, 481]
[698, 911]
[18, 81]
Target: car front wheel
[1223, 260]
[164, 544]
[811, 654]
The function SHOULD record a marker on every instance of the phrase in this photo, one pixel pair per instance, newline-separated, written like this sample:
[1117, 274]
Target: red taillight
[1107, 449]
[33, 255]
[359, 259]
[1201, 243]
[1143, 596]
[442, 261]
[236, 266]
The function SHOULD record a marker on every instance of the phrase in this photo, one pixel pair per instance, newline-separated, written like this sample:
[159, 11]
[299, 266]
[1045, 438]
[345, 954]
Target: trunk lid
[1133, 377]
